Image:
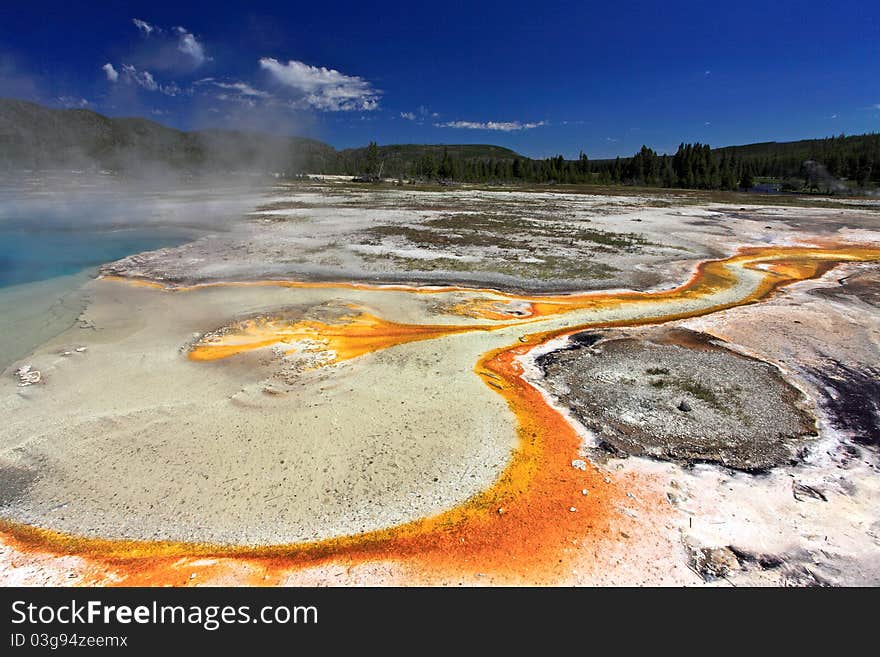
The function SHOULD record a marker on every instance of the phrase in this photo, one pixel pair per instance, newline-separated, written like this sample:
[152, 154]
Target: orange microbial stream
[780, 266]
[515, 529]
[522, 528]
[362, 333]
[352, 336]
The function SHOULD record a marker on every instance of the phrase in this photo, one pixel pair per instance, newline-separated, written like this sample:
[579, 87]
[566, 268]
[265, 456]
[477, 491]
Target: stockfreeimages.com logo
[210, 617]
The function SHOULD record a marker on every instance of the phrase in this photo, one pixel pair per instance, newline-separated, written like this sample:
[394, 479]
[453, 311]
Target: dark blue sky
[542, 78]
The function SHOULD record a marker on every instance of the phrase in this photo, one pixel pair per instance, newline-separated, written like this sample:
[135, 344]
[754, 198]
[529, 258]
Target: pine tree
[373, 158]
[446, 169]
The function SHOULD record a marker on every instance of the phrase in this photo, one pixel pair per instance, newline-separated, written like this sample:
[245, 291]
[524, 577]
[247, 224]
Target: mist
[37, 138]
[59, 200]
[76, 170]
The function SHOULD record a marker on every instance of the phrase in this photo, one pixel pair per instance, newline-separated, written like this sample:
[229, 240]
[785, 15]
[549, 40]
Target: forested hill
[845, 157]
[834, 164]
[423, 160]
[37, 137]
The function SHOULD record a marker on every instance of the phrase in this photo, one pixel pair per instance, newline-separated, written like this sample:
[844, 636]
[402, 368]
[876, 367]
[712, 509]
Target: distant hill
[420, 159]
[855, 157]
[795, 151]
[413, 152]
[37, 137]
[833, 164]
[802, 149]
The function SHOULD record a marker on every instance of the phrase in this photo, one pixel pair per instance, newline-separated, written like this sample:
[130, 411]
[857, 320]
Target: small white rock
[572, 509]
[80, 350]
[27, 376]
[579, 464]
[585, 492]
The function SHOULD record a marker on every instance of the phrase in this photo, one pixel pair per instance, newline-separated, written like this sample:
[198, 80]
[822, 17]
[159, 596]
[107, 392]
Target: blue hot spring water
[46, 259]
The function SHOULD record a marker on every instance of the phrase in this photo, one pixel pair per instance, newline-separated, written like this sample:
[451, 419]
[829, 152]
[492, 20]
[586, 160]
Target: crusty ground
[208, 445]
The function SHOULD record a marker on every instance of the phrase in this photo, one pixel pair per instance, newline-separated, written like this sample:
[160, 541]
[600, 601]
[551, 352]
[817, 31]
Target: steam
[63, 201]
[56, 228]
[818, 177]
[234, 126]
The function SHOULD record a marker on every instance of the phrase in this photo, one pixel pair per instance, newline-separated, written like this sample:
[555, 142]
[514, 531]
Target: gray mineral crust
[675, 395]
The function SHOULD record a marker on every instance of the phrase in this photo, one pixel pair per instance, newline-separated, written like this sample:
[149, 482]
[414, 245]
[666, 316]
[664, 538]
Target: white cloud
[143, 26]
[111, 73]
[503, 126]
[170, 89]
[143, 79]
[189, 45]
[876, 107]
[241, 88]
[420, 115]
[323, 88]
[240, 92]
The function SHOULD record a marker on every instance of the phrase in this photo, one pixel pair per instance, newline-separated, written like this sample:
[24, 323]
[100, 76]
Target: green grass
[701, 392]
[694, 388]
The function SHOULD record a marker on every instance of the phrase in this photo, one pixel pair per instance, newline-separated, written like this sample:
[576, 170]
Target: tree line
[811, 164]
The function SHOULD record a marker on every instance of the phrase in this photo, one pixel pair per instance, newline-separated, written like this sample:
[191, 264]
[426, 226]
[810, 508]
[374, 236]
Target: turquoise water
[43, 272]
[38, 254]
[50, 251]
[56, 232]
[34, 313]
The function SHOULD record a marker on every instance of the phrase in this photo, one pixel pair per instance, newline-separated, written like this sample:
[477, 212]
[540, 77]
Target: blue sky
[541, 78]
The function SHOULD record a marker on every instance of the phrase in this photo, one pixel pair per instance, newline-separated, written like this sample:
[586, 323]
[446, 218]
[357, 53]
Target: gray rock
[713, 563]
